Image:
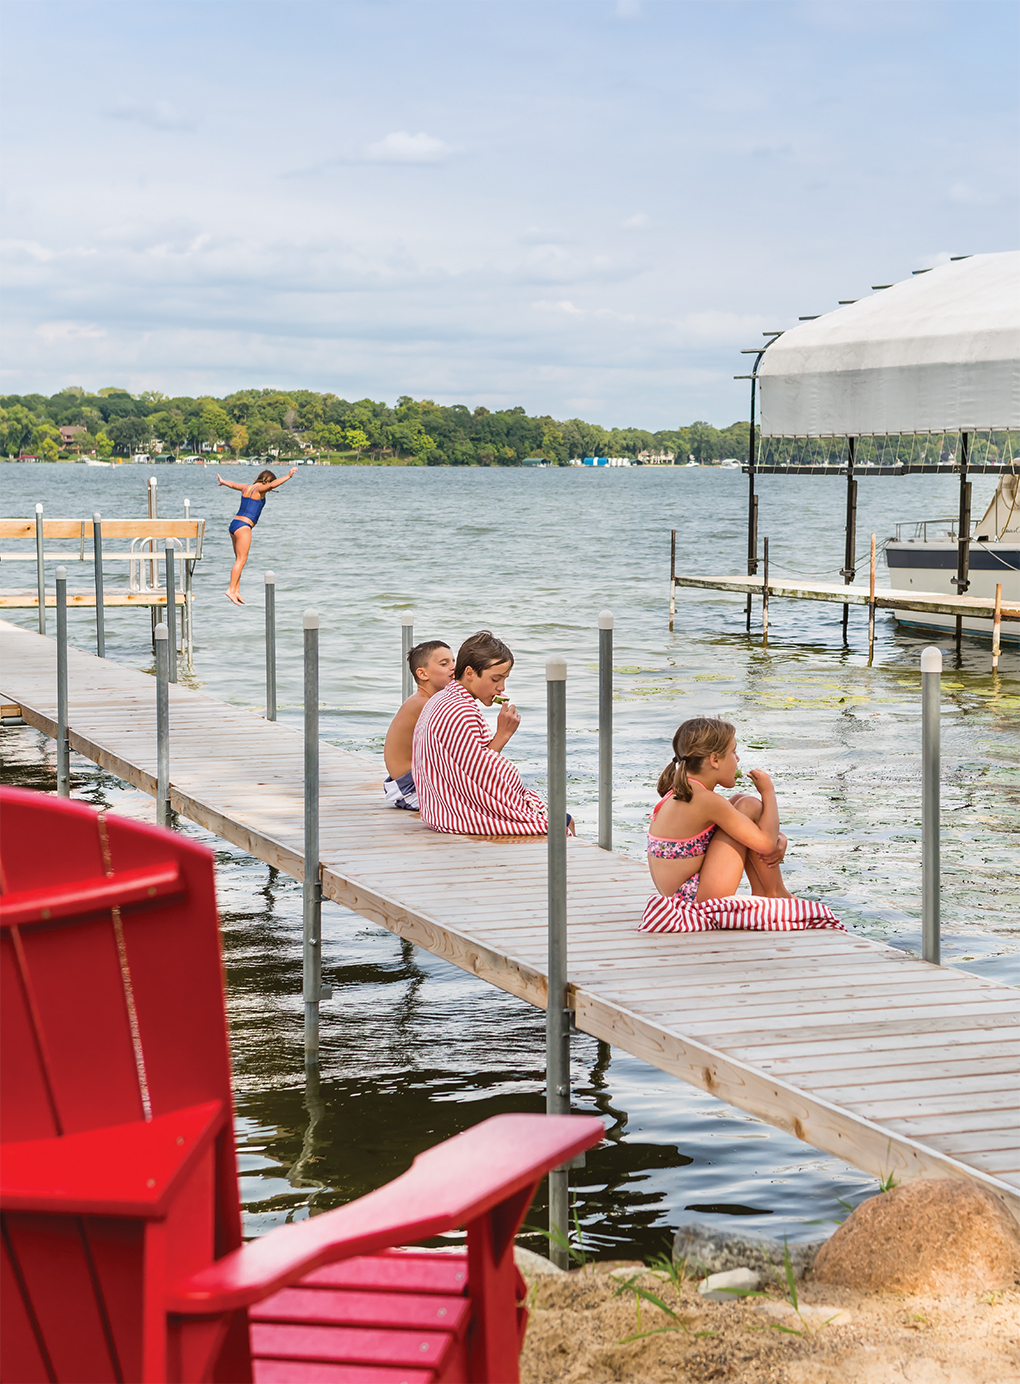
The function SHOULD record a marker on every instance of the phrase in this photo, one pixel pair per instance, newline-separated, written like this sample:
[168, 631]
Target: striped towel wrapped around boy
[463, 786]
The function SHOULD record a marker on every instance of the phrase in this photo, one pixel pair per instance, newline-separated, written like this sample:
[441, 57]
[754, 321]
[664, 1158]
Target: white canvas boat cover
[939, 352]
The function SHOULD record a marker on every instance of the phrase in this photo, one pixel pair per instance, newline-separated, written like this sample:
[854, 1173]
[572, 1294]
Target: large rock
[934, 1235]
[709, 1251]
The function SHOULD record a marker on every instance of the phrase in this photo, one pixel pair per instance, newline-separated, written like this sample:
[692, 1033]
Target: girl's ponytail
[673, 779]
[693, 743]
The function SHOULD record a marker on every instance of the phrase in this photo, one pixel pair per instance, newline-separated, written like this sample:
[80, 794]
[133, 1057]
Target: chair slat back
[109, 1016]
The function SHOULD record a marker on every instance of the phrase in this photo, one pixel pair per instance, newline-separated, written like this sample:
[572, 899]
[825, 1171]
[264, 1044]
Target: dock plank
[855, 1047]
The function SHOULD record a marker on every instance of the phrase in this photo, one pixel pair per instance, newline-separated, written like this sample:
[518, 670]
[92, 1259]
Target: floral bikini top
[676, 849]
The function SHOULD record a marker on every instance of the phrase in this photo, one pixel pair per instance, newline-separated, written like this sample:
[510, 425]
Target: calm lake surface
[413, 1049]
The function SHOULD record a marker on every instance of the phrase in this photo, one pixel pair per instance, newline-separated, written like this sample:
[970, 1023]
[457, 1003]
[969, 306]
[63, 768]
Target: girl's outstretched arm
[761, 836]
[231, 485]
[279, 481]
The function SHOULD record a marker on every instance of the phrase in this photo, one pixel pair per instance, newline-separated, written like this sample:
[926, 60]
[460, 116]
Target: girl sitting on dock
[700, 844]
[253, 497]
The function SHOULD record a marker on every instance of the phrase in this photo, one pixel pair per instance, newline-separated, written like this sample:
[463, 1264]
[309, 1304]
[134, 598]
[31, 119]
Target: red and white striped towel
[667, 913]
[462, 785]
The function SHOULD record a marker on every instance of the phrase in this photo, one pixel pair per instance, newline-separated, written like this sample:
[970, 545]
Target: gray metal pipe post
[406, 645]
[606, 730]
[270, 580]
[557, 1018]
[312, 889]
[97, 562]
[171, 606]
[40, 572]
[931, 888]
[162, 642]
[63, 747]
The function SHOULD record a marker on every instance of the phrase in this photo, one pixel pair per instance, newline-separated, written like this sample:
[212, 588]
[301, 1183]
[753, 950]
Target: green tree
[239, 439]
[104, 444]
[357, 440]
[424, 447]
[49, 451]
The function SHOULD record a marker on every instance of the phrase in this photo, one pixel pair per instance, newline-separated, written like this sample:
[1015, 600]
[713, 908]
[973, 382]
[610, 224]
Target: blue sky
[582, 206]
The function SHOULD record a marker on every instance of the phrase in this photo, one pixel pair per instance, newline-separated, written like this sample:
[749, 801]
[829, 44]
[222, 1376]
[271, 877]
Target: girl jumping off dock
[700, 844]
[253, 497]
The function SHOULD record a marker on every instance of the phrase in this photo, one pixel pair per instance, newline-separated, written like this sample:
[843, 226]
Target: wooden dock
[899, 1067]
[934, 602]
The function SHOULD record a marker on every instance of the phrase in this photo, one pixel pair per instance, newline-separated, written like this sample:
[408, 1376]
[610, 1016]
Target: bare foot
[236, 599]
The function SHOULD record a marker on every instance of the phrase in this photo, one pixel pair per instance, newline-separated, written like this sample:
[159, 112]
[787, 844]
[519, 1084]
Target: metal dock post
[849, 551]
[312, 885]
[97, 563]
[63, 747]
[162, 639]
[871, 608]
[606, 730]
[171, 607]
[997, 627]
[931, 680]
[765, 593]
[672, 576]
[406, 645]
[40, 573]
[270, 580]
[557, 1017]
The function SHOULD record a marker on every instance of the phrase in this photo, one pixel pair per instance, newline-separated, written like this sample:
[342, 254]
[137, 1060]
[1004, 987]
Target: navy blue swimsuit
[248, 512]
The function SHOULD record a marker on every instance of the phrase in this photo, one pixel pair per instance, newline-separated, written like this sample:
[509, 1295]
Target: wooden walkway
[896, 1066]
[934, 602]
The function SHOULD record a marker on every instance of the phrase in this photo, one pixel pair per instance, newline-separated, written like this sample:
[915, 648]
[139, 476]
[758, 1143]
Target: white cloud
[53, 332]
[401, 147]
[157, 115]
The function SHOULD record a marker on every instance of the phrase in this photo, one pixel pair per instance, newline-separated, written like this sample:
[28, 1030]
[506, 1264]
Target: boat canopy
[937, 353]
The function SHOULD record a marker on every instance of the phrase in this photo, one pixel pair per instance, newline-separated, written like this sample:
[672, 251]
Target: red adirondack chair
[122, 1252]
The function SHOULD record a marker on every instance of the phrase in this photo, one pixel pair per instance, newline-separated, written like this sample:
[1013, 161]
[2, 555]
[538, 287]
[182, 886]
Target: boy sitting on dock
[464, 783]
[431, 666]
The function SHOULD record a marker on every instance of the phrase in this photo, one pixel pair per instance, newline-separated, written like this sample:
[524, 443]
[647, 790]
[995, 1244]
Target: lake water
[413, 1049]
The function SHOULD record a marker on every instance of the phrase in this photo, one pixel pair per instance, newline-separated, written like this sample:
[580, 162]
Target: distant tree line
[285, 424]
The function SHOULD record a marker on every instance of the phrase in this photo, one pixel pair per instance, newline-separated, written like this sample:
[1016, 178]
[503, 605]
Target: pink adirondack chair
[122, 1253]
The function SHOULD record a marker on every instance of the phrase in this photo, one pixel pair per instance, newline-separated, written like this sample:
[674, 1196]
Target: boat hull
[919, 566]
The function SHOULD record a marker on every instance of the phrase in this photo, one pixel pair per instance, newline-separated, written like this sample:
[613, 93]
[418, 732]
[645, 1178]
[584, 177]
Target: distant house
[71, 434]
[656, 458]
[536, 461]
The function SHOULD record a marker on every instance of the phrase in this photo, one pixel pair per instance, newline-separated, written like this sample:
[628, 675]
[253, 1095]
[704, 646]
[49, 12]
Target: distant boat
[91, 461]
[928, 560]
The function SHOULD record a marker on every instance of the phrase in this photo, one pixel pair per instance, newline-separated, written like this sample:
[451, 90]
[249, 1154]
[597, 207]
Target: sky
[584, 207]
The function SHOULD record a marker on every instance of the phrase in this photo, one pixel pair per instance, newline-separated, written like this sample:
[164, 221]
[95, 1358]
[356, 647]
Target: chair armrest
[445, 1187]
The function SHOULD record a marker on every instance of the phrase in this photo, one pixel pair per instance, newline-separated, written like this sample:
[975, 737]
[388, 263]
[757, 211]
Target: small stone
[728, 1287]
[534, 1265]
[708, 1250]
[933, 1235]
[809, 1317]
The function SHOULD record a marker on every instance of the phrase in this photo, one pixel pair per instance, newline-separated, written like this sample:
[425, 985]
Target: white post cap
[605, 619]
[407, 618]
[96, 517]
[38, 509]
[61, 574]
[310, 619]
[168, 543]
[269, 578]
[931, 660]
[556, 669]
[153, 481]
[162, 632]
